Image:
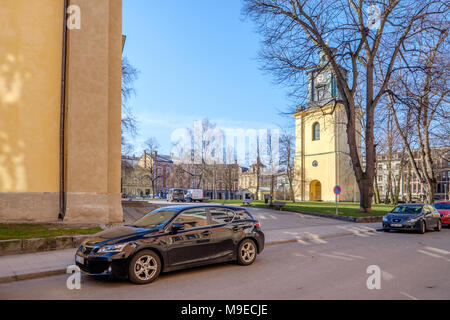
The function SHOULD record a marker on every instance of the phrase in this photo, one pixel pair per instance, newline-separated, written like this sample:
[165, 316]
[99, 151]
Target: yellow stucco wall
[30, 80]
[330, 152]
[30, 72]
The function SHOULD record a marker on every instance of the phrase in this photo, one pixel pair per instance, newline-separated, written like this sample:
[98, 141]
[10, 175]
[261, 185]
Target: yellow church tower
[322, 158]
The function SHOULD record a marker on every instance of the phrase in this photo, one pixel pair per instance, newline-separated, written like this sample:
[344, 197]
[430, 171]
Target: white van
[194, 195]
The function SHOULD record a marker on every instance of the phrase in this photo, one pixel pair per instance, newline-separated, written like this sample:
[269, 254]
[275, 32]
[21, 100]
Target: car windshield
[408, 209]
[157, 218]
[442, 206]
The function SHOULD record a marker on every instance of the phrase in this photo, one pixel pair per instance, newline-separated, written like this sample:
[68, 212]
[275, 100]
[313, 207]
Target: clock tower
[322, 158]
[322, 85]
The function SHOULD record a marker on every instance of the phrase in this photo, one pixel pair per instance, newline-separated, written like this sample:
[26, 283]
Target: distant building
[218, 181]
[441, 157]
[160, 167]
[138, 173]
[248, 183]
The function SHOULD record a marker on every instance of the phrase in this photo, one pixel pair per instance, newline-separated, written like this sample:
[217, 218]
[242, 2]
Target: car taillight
[257, 224]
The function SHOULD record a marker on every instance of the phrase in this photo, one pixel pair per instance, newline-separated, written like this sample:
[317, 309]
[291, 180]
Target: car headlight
[385, 219]
[412, 221]
[112, 248]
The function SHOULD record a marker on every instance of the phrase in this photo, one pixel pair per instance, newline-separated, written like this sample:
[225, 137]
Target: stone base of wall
[44, 207]
[29, 206]
[93, 207]
[17, 246]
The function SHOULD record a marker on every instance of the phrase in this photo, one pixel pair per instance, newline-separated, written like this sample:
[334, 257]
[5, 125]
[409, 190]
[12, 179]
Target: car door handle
[206, 233]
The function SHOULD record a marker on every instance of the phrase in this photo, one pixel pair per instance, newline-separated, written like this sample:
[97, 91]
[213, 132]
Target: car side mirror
[177, 227]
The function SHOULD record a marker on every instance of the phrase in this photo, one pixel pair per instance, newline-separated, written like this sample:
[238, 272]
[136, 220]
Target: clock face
[321, 78]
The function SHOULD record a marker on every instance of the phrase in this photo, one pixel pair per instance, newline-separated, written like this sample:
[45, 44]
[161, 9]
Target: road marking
[409, 296]
[434, 255]
[291, 233]
[438, 250]
[315, 238]
[299, 255]
[348, 255]
[430, 254]
[387, 276]
[299, 240]
[356, 231]
[336, 257]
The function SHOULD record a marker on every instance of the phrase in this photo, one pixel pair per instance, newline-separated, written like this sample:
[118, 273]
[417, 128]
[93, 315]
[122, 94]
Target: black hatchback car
[419, 217]
[172, 238]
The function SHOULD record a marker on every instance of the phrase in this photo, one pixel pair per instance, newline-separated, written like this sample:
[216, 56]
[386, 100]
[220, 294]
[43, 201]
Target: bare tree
[129, 121]
[287, 153]
[151, 162]
[230, 171]
[295, 31]
[201, 149]
[421, 92]
[258, 165]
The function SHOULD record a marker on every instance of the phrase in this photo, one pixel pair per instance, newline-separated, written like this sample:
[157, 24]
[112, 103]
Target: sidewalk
[42, 264]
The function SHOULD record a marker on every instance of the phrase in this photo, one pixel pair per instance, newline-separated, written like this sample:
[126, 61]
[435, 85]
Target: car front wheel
[439, 226]
[144, 267]
[422, 227]
[246, 252]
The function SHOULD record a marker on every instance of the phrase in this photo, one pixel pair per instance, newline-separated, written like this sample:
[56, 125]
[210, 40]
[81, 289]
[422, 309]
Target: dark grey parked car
[419, 217]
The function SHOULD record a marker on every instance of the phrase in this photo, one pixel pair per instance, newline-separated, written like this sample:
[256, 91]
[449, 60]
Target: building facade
[409, 185]
[60, 137]
[248, 182]
[322, 158]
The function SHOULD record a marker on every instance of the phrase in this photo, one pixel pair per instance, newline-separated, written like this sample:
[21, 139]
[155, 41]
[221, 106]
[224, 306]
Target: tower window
[316, 131]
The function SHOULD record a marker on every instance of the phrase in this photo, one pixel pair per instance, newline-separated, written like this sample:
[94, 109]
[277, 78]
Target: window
[192, 218]
[316, 131]
[221, 216]
[321, 93]
[241, 215]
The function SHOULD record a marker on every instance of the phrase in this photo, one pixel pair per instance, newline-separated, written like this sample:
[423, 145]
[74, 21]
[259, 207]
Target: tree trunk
[377, 192]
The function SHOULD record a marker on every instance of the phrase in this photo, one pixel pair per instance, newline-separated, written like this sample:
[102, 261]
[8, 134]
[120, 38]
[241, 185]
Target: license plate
[396, 225]
[79, 259]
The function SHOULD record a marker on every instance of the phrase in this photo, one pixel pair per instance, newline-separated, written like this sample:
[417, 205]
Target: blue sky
[197, 59]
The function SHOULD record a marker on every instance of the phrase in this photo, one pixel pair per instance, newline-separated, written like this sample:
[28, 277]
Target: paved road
[413, 267]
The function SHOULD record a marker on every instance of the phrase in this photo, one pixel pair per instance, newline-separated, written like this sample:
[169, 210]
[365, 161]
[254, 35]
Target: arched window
[316, 131]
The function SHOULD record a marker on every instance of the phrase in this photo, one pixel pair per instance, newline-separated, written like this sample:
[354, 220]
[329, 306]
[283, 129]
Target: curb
[32, 275]
[368, 219]
[59, 271]
[23, 246]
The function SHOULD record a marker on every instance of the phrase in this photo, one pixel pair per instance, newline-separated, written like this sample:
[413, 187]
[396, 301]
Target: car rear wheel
[144, 267]
[439, 226]
[246, 252]
[422, 227]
